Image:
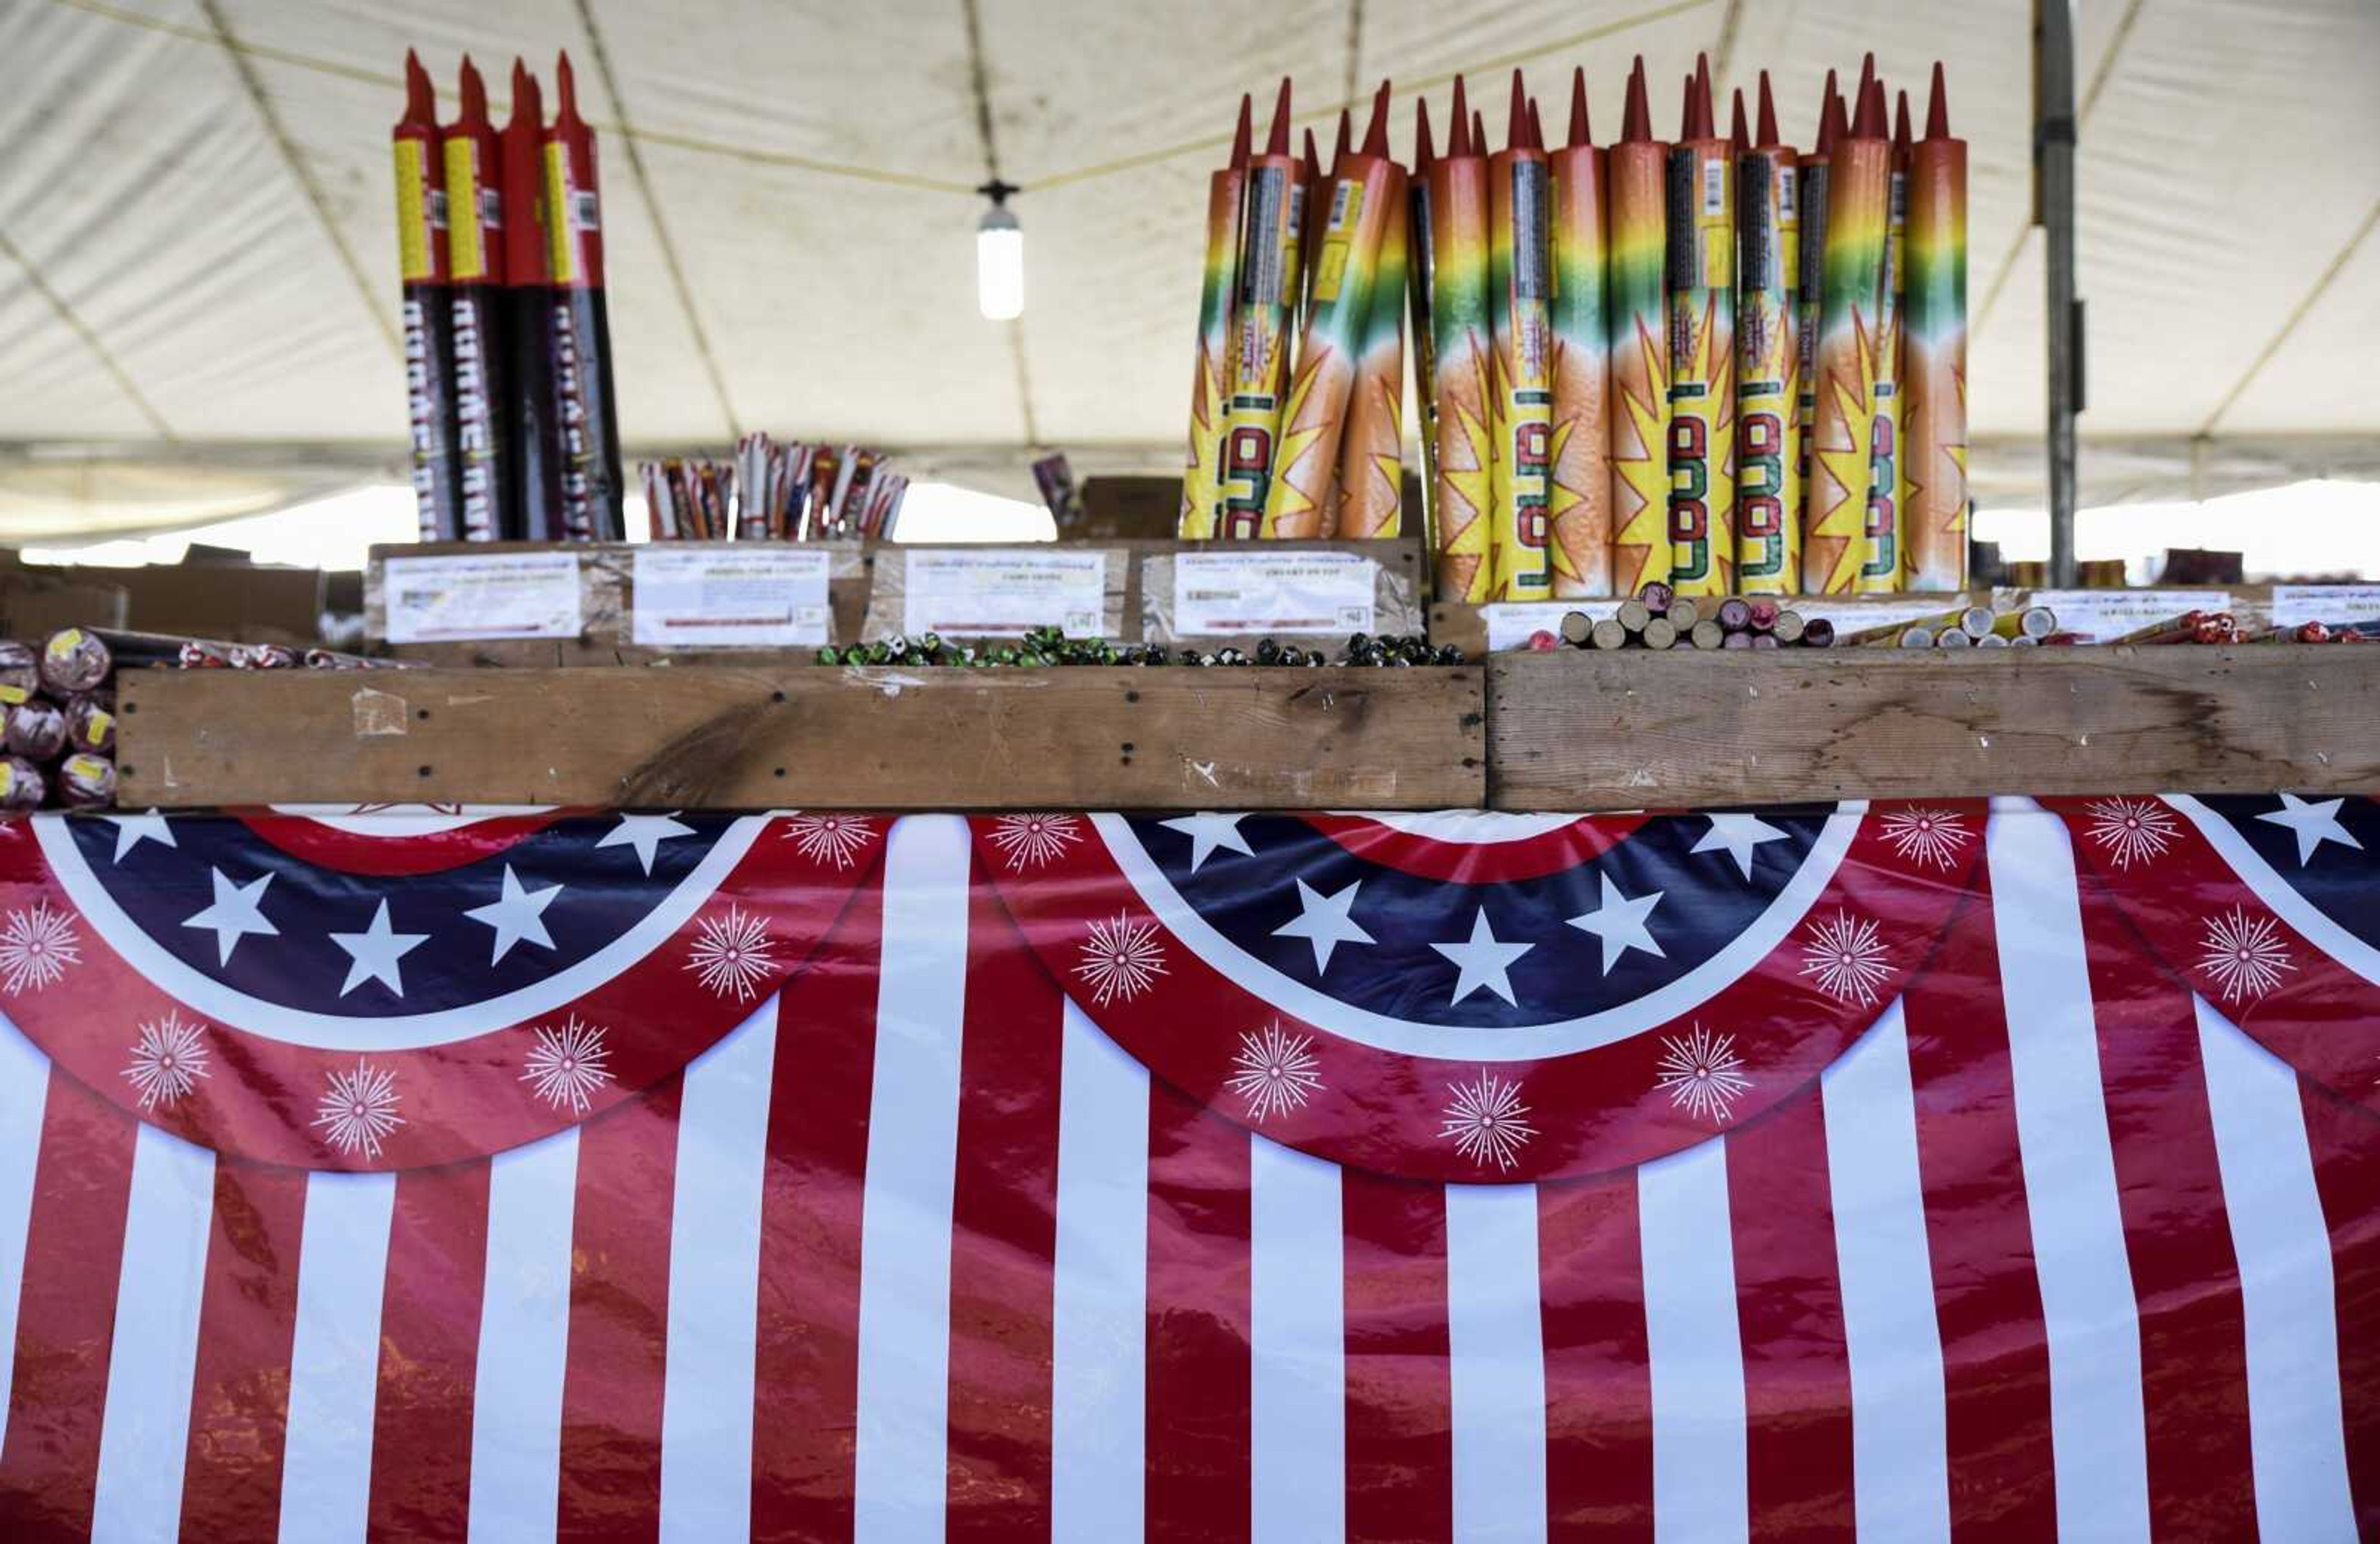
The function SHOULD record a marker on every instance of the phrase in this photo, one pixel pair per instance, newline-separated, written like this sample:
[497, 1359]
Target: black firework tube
[475, 256]
[582, 329]
[533, 508]
[428, 318]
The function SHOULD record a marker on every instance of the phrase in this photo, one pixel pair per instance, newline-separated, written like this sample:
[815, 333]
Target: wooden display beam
[1574, 730]
[763, 737]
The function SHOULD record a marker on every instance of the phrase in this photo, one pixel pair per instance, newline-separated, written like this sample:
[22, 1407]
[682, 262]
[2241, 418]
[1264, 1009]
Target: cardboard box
[37, 601]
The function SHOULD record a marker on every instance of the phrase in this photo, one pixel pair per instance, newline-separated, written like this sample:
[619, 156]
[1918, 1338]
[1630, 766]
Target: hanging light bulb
[999, 256]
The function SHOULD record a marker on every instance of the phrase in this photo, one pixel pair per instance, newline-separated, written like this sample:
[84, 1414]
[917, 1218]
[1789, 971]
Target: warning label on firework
[1272, 592]
[2296, 603]
[755, 597]
[1004, 592]
[441, 599]
[1511, 623]
[2104, 615]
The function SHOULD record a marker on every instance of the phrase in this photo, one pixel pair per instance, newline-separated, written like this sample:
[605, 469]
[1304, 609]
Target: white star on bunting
[518, 915]
[1618, 923]
[1738, 836]
[1208, 831]
[645, 834]
[133, 830]
[2312, 824]
[1325, 921]
[374, 953]
[1482, 961]
[237, 912]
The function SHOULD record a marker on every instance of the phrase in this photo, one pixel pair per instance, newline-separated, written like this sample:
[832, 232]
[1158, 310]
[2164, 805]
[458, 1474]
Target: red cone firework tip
[1867, 77]
[1277, 141]
[474, 113]
[1937, 109]
[1458, 138]
[1339, 147]
[1423, 152]
[1737, 134]
[1686, 111]
[1870, 124]
[1310, 163]
[1767, 113]
[1705, 121]
[1636, 117]
[1243, 136]
[1580, 132]
[1516, 117]
[1901, 123]
[524, 175]
[1536, 128]
[1478, 133]
[1376, 134]
[1833, 124]
[420, 100]
[565, 94]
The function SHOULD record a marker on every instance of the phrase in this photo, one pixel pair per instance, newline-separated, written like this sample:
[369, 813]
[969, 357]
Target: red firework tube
[1520, 291]
[475, 253]
[1582, 471]
[1764, 612]
[533, 508]
[1934, 360]
[1310, 178]
[429, 316]
[584, 405]
[1372, 457]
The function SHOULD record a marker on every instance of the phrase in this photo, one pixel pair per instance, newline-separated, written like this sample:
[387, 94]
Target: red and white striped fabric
[2066, 1238]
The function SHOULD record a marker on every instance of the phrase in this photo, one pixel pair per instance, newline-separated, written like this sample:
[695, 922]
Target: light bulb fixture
[999, 256]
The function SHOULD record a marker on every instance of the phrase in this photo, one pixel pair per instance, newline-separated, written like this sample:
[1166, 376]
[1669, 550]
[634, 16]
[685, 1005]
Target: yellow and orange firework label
[1837, 514]
[1371, 454]
[1264, 294]
[1519, 288]
[1201, 469]
[1882, 561]
[1581, 494]
[1768, 435]
[1462, 330]
[1702, 367]
[1934, 315]
[1639, 363]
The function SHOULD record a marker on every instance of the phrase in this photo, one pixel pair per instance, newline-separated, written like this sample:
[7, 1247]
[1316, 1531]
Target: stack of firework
[1963, 628]
[1659, 617]
[1297, 402]
[774, 490]
[507, 338]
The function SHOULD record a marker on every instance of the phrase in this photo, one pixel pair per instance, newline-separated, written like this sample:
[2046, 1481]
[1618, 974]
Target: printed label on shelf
[2104, 615]
[751, 597]
[1297, 593]
[1511, 623]
[1004, 592]
[2294, 604]
[457, 600]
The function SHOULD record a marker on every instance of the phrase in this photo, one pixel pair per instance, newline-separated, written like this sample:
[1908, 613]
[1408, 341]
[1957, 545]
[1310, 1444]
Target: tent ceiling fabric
[196, 247]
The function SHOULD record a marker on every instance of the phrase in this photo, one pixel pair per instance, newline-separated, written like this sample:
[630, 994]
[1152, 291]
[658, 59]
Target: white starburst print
[168, 1059]
[2132, 831]
[1033, 841]
[1932, 837]
[1847, 958]
[1703, 1074]
[836, 839]
[1275, 1072]
[36, 946]
[358, 1107]
[1487, 1119]
[1121, 958]
[733, 954]
[2244, 955]
[566, 1066]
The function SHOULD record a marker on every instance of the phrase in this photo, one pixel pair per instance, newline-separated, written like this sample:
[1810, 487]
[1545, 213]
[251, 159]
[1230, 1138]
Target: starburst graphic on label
[567, 1067]
[2244, 955]
[1846, 957]
[358, 1107]
[1835, 510]
[1487, 1119]
[1033, 841]
[1466, 490]
[1932, 837]
[168, 1059]
[1275, 1072]
[1288, 509]
[1702, 1073]
[733, 954]
[1206, 440]
[1640, 455]
[36, 946]
[836, 839]
[1121, 959]
[2132, 831]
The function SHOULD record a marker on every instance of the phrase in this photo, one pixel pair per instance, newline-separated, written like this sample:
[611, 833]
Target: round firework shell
[74, 661]
[87, 782]
[37, 731]
[90, 726]
[21, 786]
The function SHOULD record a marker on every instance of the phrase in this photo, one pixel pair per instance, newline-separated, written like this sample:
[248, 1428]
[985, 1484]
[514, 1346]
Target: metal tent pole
[2053, 187]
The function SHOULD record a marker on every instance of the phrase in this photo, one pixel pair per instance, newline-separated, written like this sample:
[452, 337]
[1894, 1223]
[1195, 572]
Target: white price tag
[1004, 592]
[752, 597]
[2294, 604]
[1511, 623]
[2104, 615]
[1297, 593]
[454, 599]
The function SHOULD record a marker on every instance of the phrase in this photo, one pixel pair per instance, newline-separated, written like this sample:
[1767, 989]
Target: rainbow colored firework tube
[1581, 506]
[1809, 294]
[1880, 568]
[1934, 322]
[1309, 185]
[429, 314]
[1420, 274]
[1372, 454]
[474, 248]
[1834, 543]
[1201, 471]
[1702, 351]
[1301, 502]
[1520, 295]
[584, 405]
[1637, 170]
[1768, 439]
[1463, 331]
[1272, 201]
[533, 507]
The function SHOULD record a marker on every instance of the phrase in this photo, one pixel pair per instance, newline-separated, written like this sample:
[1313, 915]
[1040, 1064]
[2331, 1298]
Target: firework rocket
[533, 506]
[1520, 295]
[476, 251]
[584, 404]
[1702, 351]
[1272, 201]
[1810, 291]
[1421, 273]
[1835, 516]
[1582, 416]
[1347, 223]
[1463, 331]
[1637, 169]
[1880, 569]
[1201, 485]
[428, 317]
[1371, 458]
[1767, 444]
[1933, 319]
[1309, 185]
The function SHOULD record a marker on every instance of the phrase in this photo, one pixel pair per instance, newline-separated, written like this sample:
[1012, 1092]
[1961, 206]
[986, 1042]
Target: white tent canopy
[198, 271]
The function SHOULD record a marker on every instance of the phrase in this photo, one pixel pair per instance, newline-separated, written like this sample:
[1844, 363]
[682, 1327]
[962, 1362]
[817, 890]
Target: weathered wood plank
[747, 737]
[1582, 731]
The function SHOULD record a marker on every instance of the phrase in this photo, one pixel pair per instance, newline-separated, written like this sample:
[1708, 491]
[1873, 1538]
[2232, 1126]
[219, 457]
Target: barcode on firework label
[1343, 200]
[1529, 227]
[583, 214]
[1788, 191]
[1260, 242]
[1292, 594]
[1714, 188]
[438, 207]
[491, 209]
[1899, 209]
